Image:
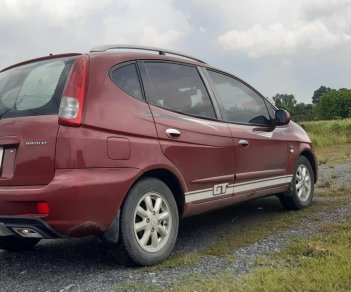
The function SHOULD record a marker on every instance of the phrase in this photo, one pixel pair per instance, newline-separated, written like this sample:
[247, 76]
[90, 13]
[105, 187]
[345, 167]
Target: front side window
[238, 102]
[127, 79]
[179, 88]
[271, 109]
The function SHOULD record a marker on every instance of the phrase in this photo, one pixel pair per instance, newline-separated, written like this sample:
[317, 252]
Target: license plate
[1, 154]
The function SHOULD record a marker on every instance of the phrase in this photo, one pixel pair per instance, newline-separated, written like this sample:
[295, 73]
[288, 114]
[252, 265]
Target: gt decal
[220, 189]
[232, 189]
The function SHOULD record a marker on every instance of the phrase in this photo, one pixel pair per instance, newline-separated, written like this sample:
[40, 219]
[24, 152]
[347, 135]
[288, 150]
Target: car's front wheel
[149, 222]
[302, 187]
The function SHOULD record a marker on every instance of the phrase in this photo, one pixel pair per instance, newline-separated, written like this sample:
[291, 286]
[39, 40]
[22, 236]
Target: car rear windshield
[34, 89]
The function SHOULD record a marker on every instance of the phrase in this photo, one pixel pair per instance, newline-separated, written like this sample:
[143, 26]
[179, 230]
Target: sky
[277, 46]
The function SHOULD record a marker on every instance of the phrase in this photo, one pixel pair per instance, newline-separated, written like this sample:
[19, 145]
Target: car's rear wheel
[14, 243]
[149, 222]
[302, 187]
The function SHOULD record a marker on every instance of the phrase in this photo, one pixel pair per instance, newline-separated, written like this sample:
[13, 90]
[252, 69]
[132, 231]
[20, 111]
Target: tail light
[71, 106]
[43, 208]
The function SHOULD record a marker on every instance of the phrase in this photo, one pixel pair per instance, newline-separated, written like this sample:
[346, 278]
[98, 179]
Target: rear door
[29, 103]
[261, 153]
[190, 136]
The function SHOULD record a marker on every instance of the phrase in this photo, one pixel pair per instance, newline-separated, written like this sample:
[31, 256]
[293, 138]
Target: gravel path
[89, 265]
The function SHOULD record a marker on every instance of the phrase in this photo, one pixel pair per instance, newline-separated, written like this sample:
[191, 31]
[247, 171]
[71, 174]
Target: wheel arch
[172, 181]
[312, 160]
[166, 176]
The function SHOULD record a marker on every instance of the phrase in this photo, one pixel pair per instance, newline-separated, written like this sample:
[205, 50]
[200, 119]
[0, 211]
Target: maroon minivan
[121, 143]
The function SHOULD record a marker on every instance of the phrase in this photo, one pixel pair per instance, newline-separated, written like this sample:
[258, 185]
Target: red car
[121, 143]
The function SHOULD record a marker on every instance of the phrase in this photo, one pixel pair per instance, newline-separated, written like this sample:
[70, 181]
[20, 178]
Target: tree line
[327, 104]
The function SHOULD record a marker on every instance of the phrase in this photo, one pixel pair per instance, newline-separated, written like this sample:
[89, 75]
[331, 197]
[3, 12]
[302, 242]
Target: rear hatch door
[30, 97]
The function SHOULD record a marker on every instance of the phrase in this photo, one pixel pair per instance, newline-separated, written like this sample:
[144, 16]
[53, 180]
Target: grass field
[329, 133]
[318, 263]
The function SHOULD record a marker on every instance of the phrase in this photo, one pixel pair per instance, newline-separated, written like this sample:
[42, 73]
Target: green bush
[334, 105]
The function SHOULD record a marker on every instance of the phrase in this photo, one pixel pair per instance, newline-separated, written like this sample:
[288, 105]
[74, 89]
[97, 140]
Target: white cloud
[274, 44]
[52, 11]
[155, 23]
[278, 39]
[202, 29]
[35, 27]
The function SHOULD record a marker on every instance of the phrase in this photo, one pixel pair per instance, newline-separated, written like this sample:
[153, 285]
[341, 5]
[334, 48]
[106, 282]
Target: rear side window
[179, 88]
[33, 89]
[238, 102]
[127, 79]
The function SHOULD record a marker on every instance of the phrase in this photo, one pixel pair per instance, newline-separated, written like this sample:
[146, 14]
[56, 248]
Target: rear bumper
[81, 201]
[12, 225]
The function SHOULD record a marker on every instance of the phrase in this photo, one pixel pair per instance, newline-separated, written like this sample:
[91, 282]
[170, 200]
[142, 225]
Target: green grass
[177, 260]
[329, 133]
[318, 263]
[333, 154]
[257, 230]
[331, 140]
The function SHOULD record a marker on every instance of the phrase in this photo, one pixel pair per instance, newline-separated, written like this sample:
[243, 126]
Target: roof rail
[133, 47]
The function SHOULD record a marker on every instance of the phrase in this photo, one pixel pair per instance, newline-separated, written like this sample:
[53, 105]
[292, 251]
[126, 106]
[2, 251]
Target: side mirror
[281, 118]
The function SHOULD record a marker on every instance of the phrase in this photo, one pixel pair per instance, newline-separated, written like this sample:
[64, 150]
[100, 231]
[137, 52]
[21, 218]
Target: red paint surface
[84, 173]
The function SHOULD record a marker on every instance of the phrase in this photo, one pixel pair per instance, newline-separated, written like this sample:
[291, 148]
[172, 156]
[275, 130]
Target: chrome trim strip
[214, 179]
[248, 186]
[144, 48]
[220, 190]
[1, 155]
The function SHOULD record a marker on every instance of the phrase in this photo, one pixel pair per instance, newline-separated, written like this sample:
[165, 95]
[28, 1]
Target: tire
[302, 187]
[149, 222]
[14, 243]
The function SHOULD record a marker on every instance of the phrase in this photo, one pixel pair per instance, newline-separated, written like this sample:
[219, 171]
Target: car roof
[125, 53]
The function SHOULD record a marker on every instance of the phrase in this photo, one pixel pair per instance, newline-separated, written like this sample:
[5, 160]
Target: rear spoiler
[41, 59]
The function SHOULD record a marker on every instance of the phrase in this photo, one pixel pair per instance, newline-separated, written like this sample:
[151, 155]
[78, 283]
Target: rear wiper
[12, 107]
[6, 111]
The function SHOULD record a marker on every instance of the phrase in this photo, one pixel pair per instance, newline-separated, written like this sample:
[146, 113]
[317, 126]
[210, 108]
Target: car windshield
[33, 89]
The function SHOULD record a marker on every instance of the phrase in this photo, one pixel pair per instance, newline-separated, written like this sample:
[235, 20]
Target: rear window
[127, 79]
[33, 89]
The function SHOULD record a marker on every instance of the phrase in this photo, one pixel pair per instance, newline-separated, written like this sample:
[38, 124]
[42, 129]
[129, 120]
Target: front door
[260, 152]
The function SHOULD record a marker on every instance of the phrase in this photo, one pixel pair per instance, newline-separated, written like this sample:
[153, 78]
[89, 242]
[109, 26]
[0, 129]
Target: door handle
[172, 133]
[243, 142]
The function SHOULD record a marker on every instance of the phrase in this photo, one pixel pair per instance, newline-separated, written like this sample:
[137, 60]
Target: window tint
[39, 86]
[238, 102]
[127, 79]
[179, 88]
[33, 89]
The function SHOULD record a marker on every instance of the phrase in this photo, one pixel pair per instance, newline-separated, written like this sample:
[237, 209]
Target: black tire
[143, 254]
[14, 243]
[291, 199]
